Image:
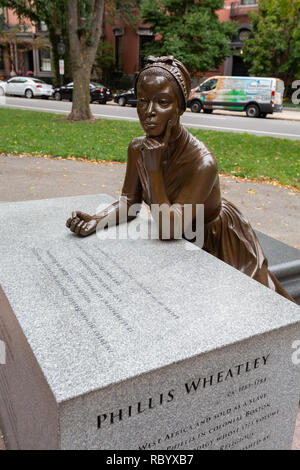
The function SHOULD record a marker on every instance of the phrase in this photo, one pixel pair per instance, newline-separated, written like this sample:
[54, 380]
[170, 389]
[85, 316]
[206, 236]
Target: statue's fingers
[154, 144]
[68, 223]
[74, 224]
[167, 133]
[83, 216]
[79, 226]
[83, 229]
[88, 228]
[148, 148]
[144, 147]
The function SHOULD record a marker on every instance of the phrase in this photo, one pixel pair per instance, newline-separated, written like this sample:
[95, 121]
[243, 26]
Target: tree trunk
[83, 47]
[81, 95]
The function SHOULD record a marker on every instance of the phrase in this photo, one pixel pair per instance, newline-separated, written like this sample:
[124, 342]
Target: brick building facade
[237, 11]
[28, 49]
[128, 42]
[23, 47]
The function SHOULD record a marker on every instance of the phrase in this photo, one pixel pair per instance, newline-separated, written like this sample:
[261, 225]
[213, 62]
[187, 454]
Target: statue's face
[157, 104]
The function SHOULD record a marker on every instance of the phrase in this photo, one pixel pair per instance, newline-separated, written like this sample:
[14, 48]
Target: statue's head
[162, 89]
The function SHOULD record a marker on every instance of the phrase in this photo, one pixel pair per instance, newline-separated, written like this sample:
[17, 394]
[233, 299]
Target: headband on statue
[175, 68]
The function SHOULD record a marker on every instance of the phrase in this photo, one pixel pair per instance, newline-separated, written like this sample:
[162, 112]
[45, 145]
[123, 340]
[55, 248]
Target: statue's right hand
[82, 224]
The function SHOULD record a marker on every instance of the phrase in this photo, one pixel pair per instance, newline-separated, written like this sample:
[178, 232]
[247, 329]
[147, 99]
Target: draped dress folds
[231, 238]
[227, 235]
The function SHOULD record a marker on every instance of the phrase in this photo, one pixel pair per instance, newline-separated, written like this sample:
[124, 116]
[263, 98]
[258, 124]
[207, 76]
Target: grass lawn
[243, 155]
[289, 104]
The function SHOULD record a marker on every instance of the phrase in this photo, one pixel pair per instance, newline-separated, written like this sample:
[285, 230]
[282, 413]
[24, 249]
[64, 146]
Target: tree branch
[97, 21]
[73, 26]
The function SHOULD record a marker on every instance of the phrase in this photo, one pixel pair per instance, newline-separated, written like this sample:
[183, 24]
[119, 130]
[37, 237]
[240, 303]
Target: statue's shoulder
[203, 158]
[136, 144]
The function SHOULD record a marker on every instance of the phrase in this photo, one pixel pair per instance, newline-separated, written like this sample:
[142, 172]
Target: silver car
[28, 87]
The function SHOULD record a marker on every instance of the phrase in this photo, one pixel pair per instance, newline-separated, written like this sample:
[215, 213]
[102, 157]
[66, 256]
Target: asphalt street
[288, 129]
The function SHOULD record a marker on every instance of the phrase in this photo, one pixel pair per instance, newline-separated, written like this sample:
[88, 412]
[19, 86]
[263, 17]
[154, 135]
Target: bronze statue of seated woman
[170, 166]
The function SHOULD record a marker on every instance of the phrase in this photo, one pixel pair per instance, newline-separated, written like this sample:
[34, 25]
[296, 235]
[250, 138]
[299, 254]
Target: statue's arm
[123, 210]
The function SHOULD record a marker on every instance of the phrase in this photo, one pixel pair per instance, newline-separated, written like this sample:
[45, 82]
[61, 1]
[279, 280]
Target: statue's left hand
[82, 224]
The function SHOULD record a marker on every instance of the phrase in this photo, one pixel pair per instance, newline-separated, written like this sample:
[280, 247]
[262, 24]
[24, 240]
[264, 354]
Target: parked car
[126, 97]
[2, 87]
[98, 93]
[258, 96]
[28, 87]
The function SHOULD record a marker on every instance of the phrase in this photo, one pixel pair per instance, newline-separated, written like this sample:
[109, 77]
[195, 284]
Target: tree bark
[81, 95]
[83, 47]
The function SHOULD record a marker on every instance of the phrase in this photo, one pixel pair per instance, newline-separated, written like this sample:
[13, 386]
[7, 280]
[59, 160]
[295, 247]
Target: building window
[45, 60]
[145, 37]
[144, 41]
[244, 34]
[119, 32]
[119, 52]
[248, 2]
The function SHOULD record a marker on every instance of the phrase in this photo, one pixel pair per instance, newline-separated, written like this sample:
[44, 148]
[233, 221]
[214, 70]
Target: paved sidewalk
[286, 115]
[271, 209]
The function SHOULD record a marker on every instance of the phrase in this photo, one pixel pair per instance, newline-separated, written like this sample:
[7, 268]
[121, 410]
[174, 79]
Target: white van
[258, 96]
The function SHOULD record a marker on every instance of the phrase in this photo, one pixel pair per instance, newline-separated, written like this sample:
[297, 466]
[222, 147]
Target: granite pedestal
[137, 344]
